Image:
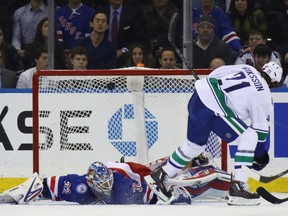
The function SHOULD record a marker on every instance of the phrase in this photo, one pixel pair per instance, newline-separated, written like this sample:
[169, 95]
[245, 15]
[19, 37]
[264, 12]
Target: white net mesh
[93, 117]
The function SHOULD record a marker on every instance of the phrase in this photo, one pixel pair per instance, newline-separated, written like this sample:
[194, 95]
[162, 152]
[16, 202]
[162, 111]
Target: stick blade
[268, 196]
[258, 177]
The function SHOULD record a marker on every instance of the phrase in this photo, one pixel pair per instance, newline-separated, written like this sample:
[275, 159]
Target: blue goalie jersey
[127, 189]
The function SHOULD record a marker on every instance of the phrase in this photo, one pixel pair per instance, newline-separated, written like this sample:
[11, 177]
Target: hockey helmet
[100, 179]
[273, 70]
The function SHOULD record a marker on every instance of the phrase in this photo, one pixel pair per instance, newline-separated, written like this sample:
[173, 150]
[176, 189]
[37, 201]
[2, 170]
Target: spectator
[247, 57]
[262, 55]
[125, 27]
[96, 4]
[137, 4]
[137, 56]
[207, 46]
[168, 59]
[277, 17]
[157, 19]
[25, 21]
[223, 27]
[7, 8]
[41, 59]
[41, 39]
[220, 3]
[72, 22]
[10, 57]
[59, 3]
[245, 17]
[79, 58]
[101, 52]
[8, 78]
[216, 62]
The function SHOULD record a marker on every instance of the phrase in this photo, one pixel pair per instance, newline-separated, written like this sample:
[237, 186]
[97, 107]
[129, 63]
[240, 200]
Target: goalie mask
[100, 179]
[274, 72]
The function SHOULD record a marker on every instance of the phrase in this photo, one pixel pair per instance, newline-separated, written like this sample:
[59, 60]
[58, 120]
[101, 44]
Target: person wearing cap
[223, 26]
[207, 46]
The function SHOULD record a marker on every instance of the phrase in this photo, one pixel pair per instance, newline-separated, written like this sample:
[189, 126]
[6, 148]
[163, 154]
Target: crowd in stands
[107, 34]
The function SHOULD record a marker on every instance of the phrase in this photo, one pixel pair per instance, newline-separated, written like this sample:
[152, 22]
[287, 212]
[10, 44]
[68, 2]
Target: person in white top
[41, 60]
[220, 103]
[247, 57]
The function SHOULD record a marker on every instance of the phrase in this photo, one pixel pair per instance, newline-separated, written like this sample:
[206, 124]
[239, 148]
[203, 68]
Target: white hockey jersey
[238, 91]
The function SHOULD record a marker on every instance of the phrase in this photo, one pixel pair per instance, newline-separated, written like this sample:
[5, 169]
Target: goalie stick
[171, 38]
[269, 197]
[261, 178]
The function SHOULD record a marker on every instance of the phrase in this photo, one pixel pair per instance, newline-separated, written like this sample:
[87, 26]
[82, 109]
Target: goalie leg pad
[27, 191]
[191, 179]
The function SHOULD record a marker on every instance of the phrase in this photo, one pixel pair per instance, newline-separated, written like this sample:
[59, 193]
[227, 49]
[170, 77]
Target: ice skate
[240, 195]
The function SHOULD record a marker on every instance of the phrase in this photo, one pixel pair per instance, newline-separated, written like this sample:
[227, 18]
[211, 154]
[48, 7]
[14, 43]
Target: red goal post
[83, 116]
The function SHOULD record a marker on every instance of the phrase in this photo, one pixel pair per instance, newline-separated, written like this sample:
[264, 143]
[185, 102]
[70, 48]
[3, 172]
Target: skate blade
[240, 201]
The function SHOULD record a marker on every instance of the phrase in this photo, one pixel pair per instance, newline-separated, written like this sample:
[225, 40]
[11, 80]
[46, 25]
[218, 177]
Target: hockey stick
[171, 38]
[3, 113]
[259, 177]
[269, 197]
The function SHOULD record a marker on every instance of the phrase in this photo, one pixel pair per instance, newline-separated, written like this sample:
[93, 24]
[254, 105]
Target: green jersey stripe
[221, 97]
[178, 159]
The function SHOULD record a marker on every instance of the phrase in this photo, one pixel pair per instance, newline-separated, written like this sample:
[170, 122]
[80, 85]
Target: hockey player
[119, 183]
[220, 103]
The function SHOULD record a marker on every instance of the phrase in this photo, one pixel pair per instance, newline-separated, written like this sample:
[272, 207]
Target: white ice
[49, 208]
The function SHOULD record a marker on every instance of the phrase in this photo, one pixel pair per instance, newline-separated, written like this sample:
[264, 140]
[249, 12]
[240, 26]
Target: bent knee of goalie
[248, 140]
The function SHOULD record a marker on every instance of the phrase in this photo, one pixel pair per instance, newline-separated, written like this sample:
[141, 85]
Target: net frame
[118, 72]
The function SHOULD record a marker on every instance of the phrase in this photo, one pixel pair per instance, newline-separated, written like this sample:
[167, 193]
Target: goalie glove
[27, 191]
[261, 157]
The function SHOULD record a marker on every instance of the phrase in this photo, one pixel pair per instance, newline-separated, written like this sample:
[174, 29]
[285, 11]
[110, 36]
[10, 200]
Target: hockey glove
[261, 157]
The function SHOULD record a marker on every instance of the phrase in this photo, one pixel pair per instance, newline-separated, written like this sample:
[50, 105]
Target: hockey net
[83, 116]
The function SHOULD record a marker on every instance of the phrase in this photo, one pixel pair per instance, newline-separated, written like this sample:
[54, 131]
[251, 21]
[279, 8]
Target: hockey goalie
[121, 183]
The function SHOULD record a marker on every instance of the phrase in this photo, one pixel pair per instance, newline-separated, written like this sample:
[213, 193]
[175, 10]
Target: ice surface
[50, 208]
